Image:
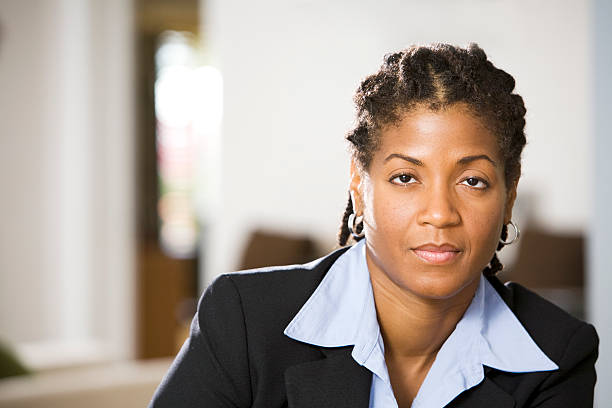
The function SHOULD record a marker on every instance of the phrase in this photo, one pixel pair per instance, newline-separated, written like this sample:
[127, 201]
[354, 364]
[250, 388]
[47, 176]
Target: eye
[402, 179]
[475, 181]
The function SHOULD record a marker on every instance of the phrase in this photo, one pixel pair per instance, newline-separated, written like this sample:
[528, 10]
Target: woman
[412, 314]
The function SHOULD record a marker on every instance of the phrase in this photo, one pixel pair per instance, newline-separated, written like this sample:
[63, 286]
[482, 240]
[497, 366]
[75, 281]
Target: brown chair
[268, 248]
[552, 265]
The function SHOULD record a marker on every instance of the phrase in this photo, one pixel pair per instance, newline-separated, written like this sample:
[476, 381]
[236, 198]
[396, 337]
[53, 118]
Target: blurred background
[149, 145]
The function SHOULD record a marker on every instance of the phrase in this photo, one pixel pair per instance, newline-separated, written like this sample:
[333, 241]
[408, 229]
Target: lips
[437, 254]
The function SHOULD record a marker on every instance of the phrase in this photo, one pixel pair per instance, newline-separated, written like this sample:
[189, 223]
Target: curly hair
[438, 76]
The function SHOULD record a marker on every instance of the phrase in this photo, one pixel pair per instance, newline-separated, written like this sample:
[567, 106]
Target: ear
[510, 197]
[355, 187]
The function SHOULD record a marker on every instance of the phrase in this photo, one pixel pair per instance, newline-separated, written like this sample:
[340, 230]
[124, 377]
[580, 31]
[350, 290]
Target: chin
[439, 286]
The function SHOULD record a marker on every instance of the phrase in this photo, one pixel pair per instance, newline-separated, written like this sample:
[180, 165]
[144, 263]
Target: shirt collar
[341, 312]
[338, 310]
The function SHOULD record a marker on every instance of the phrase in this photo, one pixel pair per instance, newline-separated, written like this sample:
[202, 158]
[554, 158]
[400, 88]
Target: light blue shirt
[341, 312]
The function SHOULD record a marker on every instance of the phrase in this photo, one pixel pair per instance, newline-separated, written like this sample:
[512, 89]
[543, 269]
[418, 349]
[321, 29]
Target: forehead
[452, 131]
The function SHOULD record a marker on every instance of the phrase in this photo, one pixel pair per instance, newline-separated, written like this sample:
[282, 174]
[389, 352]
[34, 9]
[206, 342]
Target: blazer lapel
[334, 381]
[485, 395]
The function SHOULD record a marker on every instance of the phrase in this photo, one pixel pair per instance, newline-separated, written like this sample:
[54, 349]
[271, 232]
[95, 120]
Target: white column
[72, 169]
[113, 133]
[599, 278]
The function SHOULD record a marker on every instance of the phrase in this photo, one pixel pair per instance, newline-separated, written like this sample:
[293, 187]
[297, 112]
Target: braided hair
[438, 76]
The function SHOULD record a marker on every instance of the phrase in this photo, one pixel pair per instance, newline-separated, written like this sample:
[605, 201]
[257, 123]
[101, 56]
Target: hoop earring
[517, 234]
[352, 225]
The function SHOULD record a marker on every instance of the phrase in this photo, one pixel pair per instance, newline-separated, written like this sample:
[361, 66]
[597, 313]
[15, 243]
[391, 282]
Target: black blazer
[238, 356]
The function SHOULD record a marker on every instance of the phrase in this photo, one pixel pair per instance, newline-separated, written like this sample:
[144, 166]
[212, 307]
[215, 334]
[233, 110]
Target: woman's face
[437, 178]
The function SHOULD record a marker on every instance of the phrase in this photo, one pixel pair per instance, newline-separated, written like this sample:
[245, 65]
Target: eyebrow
[463, 161]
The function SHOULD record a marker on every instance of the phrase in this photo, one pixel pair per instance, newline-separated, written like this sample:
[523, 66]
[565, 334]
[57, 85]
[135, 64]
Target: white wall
[66, 173]
[290, 69]
[22, 47]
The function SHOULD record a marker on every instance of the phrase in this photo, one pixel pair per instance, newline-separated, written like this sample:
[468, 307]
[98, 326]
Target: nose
[439, 208]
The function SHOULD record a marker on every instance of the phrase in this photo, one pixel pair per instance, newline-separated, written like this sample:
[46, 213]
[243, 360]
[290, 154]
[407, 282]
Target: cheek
[484, 228]
[388, 215]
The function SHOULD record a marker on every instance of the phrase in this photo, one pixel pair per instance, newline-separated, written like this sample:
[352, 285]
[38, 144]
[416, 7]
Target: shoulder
[560, 335]
[236, 350]
[571, 343]
[287, 281]
[285, 277]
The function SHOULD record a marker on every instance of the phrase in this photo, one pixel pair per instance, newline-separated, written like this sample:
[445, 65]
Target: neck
[414, 328]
